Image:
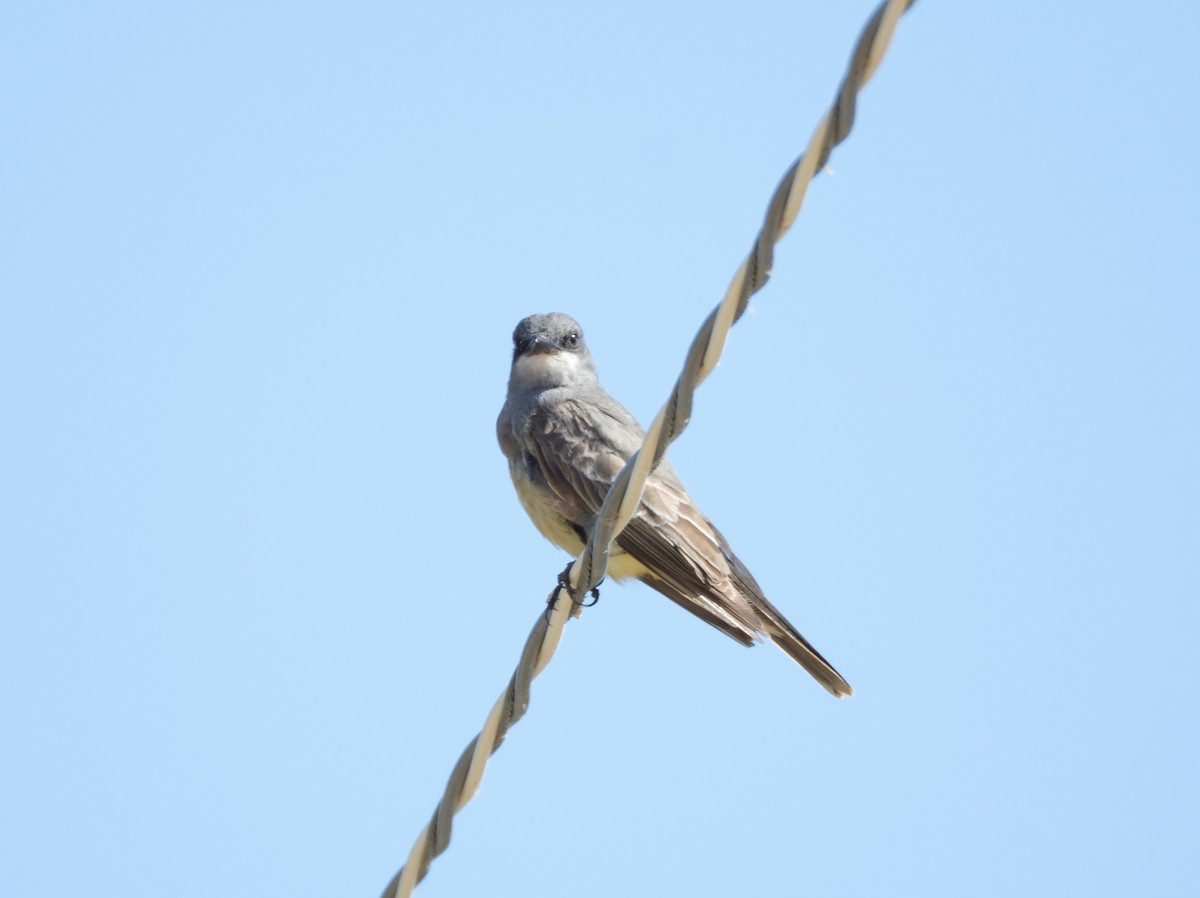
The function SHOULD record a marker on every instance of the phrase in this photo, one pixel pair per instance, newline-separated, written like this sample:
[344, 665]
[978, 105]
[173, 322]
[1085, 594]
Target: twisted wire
[625, 494]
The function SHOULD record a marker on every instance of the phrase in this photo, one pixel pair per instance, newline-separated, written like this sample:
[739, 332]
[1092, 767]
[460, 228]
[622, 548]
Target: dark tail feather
[746, 613]
[780, 630]
[784, 635]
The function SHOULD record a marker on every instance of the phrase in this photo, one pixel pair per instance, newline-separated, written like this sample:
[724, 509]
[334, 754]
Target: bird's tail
[788, 638]
[772, 624]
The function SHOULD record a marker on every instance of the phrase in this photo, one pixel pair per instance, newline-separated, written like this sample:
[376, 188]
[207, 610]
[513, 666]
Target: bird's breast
[541, 509]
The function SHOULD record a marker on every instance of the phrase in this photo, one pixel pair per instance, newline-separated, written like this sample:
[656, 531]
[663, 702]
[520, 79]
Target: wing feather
[579, 448]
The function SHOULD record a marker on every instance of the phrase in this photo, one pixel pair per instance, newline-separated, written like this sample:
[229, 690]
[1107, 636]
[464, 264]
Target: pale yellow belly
[552, 526]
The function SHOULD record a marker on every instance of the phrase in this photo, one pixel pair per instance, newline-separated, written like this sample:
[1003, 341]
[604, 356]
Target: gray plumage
[566, 439]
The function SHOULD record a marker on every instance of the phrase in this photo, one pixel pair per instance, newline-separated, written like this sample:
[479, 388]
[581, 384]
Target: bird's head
[548, 352]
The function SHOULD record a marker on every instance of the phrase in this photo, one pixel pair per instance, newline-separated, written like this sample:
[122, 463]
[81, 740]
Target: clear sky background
[262, 571]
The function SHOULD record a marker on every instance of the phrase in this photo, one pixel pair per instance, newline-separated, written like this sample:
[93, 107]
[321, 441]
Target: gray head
[548, 352]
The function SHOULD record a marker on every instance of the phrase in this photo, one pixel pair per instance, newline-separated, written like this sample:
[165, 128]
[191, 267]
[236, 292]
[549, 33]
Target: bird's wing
[577, 459]
[580, 447]
[687, 560]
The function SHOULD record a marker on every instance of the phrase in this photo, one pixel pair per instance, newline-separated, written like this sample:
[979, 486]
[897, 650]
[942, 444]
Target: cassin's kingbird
[566, 439]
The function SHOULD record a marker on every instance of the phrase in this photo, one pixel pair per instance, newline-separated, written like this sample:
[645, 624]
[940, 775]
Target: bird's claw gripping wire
[564, 585]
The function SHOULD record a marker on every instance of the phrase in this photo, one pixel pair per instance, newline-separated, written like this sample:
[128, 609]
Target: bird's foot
[564, 585]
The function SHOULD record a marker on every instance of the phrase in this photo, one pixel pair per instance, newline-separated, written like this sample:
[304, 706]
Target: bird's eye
[572, 339]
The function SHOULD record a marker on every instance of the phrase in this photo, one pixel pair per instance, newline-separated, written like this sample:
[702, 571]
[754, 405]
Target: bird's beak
[540, 343]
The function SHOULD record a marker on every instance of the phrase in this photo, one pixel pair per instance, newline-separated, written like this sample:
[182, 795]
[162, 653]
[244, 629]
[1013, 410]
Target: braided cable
[625, 494]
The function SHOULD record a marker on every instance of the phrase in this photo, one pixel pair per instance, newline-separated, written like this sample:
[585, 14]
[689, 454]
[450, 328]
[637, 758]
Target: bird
[566, 439]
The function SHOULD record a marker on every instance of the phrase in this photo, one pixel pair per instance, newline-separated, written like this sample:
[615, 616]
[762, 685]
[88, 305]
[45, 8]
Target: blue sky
[262, 573]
